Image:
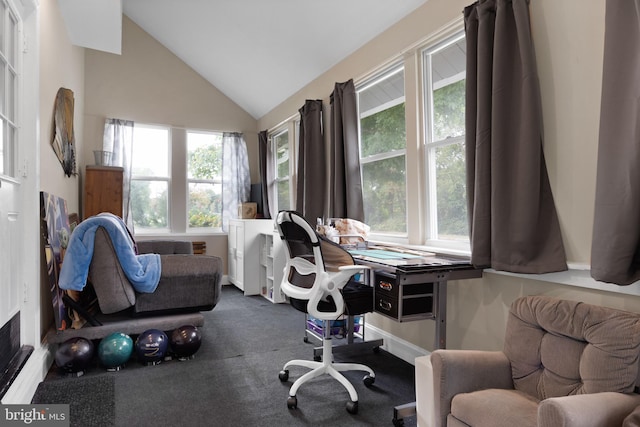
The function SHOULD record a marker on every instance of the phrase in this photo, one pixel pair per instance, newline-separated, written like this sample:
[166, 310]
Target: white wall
[149, 84]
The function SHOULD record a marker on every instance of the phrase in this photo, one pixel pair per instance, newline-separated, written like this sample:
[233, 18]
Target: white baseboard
[394, 345]
[32, 373]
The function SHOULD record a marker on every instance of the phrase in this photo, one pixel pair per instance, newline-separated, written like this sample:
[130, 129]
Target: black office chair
[315, 287]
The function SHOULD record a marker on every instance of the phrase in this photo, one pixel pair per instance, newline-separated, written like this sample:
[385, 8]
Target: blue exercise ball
[114, 350]
[151, 346]
[74, 354]
[185, 341]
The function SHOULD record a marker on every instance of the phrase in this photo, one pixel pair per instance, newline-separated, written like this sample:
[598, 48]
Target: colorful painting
[55, 232]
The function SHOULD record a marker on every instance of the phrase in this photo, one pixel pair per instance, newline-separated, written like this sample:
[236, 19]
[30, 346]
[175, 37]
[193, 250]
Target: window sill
[578, 275]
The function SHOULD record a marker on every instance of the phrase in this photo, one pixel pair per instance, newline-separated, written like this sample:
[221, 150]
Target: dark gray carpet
[91, 399]
[233, 379]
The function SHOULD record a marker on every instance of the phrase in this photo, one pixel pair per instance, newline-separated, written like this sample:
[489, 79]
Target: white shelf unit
[244, 269]
[272, 261]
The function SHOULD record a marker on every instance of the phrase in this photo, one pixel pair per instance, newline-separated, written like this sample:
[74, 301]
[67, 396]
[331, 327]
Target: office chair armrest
[585, 410]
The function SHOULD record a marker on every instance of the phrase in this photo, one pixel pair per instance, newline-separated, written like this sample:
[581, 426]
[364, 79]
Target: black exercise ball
[185, 341]
[74, 354]
[151, 346]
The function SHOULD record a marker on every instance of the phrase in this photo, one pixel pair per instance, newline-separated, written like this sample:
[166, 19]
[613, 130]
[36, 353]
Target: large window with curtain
[383, 142]
[444, 67]
[176, 180]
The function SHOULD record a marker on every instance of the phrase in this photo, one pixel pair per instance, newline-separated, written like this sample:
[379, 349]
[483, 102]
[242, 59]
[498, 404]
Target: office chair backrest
[305, 275]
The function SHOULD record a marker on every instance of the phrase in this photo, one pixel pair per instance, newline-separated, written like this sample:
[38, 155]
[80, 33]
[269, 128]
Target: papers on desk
[397, 256]
[383, 254]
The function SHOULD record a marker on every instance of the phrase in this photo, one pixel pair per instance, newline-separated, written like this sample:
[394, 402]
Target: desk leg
[440, 341]
[441, 315]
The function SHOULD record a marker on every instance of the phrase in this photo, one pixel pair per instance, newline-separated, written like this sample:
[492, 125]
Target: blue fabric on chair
[143, 271]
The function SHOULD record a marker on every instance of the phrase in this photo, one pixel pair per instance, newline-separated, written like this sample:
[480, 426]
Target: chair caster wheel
[368, 380]
[376, 350]
[283, 375]
[317, 358]
[398, 423]
[352, 407]
[292, 402]
[305, 339]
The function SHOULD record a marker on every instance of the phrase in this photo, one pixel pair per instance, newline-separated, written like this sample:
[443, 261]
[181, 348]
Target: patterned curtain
[236, 181]
[118, 139]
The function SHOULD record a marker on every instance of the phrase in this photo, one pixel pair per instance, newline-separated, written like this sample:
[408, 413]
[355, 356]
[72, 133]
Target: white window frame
[385, 73]
[430, 145]
[10, 62]
[216, 180]
[167, 179]
[273, 136]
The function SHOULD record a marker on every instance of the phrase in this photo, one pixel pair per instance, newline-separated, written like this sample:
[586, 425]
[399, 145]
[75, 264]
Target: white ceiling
[260, 52]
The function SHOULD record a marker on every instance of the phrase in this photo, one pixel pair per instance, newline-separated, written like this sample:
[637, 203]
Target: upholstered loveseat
[564, 363]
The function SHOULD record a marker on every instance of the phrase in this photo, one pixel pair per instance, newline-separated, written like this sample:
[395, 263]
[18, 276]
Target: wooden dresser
[103, 190]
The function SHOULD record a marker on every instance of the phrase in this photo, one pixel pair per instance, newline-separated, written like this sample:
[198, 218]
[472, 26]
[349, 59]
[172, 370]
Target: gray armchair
[564, 363]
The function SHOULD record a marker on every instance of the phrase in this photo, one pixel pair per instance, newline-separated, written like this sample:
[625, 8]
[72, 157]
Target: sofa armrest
[464, 371]
[164, 247]
[606, 409]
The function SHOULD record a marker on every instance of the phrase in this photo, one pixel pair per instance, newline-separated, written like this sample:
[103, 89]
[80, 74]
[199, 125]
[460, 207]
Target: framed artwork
[63, 140]
[55, 232]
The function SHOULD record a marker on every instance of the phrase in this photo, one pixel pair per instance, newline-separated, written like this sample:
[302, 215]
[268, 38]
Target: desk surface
[410, 260]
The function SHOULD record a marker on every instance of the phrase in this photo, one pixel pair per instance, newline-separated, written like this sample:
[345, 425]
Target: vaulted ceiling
[257, 52]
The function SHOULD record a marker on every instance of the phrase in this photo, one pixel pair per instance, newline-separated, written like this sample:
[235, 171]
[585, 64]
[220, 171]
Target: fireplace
[12, 355]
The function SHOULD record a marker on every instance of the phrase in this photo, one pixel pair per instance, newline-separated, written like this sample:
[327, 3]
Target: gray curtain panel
[345, 179]
[513, 222]
[264, 163]
[311, 180]
[118, 140]
[615, 250]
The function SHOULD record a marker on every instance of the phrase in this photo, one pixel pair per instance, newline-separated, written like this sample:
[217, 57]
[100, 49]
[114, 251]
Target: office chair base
[332, 369]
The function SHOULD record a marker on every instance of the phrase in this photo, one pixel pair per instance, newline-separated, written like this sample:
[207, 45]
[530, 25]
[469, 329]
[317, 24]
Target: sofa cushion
[495, 408]
[188, 283]
[110, 284]
[559, 347]
[164, 247]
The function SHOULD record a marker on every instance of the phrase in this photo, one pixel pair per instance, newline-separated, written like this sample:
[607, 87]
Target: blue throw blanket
[143, 271]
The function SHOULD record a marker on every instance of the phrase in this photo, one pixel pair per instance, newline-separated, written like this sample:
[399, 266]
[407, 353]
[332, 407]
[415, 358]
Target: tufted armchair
[564, 363]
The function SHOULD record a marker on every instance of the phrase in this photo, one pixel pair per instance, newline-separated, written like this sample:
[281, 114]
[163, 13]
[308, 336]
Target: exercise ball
[151, 346]
[74, 354]
[114, 350]
[185, 341]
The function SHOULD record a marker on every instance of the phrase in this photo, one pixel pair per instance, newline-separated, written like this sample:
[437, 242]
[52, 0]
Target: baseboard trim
[394, 345]
[33, 372]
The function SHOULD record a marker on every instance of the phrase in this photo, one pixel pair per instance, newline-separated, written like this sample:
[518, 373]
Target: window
[444, 66]
[204, 170]
[280, 144]
[9, 31]
[176, 180]
[150, 177]
[381, 105]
